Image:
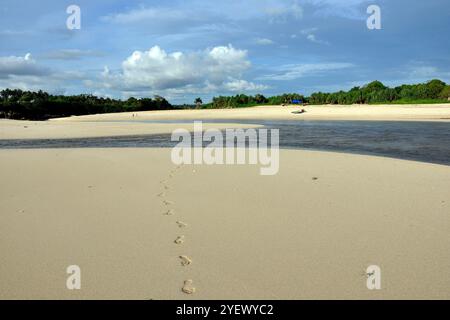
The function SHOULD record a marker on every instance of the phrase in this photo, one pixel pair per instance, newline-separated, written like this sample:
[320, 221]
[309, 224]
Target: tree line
[377, 92]
[18, 104]
[242, 100]
[372, 93]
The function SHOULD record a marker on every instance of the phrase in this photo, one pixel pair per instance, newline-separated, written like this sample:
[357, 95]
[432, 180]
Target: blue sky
[185, 49]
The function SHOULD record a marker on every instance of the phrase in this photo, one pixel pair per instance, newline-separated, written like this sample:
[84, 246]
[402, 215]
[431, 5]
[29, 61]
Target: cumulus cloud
[296, 71]
[20, 66]
[243, 86]
[159, 72]
[26, 73]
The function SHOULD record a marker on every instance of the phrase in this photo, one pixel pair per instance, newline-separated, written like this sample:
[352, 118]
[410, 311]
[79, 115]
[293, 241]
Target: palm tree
[198, 102]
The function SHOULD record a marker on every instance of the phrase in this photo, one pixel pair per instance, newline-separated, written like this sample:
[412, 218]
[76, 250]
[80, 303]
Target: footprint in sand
[181, 224]
[166, 188]
[179, 240]
[188, 288]
[169, 212]
[162, 194]
[167, 203]
[185, 261]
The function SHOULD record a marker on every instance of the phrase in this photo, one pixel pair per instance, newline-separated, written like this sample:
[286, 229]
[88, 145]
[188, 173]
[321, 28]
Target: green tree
[445, 93]
[260, 99]
[198, 102]
[434, 88]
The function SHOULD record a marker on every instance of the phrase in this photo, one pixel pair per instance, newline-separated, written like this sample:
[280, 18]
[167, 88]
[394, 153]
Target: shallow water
[421, 141]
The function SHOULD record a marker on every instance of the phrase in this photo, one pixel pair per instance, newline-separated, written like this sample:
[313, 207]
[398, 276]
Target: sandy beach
[431, 112]
[123, 124]
[68, 128]
[308, 232]
[251, 153]
[249, 236]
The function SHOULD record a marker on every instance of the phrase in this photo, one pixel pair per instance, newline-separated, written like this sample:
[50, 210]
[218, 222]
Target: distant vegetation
[18, 104]
[376, 92]
[242, 100]
[434, 91]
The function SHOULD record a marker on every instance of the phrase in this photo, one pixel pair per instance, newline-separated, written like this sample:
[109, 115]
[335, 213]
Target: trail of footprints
[188, 287]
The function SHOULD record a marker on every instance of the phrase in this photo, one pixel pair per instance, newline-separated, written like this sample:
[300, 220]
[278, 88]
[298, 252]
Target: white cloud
[28, 74]
[420, 71]
[308, 31]
[156, 71]
[423, 71]
[203, 10]
[243, 86]
[264, 41]
[351, 9]
[296, 71]
[14, 33]
[20, 66]
[72, 54]
[148, 14]
[281, 11]
[312, 37]
[310, 34]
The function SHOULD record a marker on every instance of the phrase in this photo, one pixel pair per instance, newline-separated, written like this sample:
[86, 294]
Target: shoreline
[127, 215]
[122, 124]
[432, 112]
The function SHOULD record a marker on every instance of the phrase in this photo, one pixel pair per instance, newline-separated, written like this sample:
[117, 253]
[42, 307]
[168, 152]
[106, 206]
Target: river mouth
[419, 141]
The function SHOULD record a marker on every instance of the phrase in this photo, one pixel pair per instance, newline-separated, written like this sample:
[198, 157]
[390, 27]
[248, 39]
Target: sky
[204, 48]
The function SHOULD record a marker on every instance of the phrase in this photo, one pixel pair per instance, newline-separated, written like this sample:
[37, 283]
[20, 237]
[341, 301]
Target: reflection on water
[422, 141]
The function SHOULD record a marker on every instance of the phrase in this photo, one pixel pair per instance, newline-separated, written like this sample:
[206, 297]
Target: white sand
[249, 236]
[432, 112]
[11, 129]
[122, 124]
